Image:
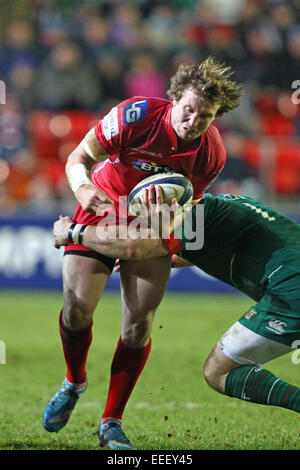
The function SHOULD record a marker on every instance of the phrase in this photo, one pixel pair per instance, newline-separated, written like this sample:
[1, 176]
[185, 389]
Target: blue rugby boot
[59, 408]
[112, 436]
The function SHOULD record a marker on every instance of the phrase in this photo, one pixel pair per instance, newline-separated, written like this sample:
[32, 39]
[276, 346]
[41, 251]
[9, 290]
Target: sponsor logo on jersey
[135, 112]
[110, 124]
[145, 152]
[276, 326]
[151, 167]
[250, 314]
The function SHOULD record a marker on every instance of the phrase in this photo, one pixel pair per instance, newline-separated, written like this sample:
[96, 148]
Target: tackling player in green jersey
[253, 248]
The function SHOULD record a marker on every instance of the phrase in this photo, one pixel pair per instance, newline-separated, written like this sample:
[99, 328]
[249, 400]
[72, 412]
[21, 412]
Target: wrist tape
[75, 234]
[78, 175]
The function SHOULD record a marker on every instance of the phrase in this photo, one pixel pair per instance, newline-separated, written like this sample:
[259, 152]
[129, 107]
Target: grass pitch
[171, 407]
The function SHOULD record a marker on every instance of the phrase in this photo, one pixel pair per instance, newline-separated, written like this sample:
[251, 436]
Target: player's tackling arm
[97, 239]
[126, 249]
[78, 167]
[110, 241]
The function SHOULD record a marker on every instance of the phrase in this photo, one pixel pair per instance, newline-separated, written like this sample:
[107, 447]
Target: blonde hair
[210, 79]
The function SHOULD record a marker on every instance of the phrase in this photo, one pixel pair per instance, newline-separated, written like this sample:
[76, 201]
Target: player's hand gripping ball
[173, 185]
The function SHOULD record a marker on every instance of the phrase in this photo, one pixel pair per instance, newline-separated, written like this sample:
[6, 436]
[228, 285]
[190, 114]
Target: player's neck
[187, 145]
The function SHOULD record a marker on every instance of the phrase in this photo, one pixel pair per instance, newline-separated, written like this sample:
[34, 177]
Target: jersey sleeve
[216, 158]
[124, 123]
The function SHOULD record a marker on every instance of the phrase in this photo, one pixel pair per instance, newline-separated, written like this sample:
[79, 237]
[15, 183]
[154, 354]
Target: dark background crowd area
[65, 63]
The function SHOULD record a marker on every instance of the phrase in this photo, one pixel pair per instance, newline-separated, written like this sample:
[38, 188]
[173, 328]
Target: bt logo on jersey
[151, 166]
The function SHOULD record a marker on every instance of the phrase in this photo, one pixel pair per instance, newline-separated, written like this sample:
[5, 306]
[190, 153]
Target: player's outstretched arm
[116, 246]
[78, 167]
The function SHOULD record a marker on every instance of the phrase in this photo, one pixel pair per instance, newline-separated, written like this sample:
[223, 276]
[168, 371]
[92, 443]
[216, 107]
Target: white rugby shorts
[246, 347]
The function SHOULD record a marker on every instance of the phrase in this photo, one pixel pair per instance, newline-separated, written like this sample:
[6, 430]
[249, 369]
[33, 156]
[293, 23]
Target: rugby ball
[174, 185]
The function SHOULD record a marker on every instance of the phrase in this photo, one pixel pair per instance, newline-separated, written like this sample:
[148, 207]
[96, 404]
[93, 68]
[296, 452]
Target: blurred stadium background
[64, 63]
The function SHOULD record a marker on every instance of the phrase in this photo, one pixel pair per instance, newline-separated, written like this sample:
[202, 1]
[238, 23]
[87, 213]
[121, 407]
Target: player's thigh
[245, 346]
[143, 284]
[84, 279]
[239, 346]
[271, 327]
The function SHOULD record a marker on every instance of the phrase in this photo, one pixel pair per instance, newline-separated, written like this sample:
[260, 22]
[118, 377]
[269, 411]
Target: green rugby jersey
[246, 243]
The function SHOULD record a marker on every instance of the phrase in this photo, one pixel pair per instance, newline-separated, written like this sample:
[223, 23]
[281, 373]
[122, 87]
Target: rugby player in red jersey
[141, 136]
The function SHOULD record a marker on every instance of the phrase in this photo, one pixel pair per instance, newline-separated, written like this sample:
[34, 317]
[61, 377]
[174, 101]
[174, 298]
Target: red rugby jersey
[139, 137]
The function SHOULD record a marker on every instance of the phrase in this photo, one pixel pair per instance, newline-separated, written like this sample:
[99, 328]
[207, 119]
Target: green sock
[251, 383]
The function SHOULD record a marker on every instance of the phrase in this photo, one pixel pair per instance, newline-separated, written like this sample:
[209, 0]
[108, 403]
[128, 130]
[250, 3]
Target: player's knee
[137, 334]
[76, 314]
[213, 377]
